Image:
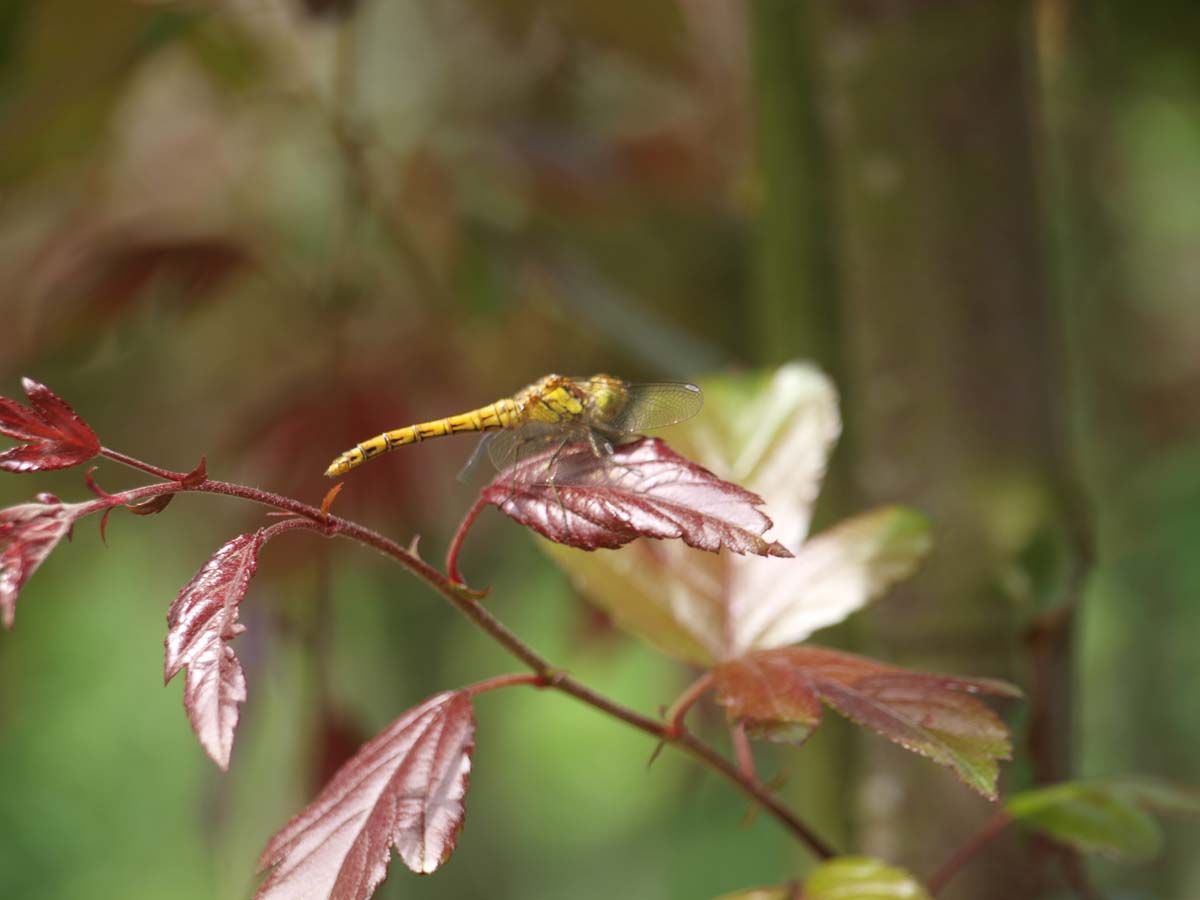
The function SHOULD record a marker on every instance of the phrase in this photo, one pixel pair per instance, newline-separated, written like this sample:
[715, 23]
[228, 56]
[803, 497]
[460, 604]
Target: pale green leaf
[772, 435]
[861, 878]
[834, 574]
[763, 893]
[1108, 815]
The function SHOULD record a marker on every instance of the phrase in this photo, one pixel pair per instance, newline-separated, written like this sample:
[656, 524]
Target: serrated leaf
[778, 693]
[773, 435]
[1104, 815]
[861, 878]
[645, 489]
[54, 435]
[403, 789]
[28, 534]
[200, 624]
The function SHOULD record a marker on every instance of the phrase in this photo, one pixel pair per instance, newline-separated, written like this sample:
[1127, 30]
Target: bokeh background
[261, 230]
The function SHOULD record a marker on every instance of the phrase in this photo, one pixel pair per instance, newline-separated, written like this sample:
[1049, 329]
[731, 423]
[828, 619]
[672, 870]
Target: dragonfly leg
[552, 465]
[551, 473]
[601, 446]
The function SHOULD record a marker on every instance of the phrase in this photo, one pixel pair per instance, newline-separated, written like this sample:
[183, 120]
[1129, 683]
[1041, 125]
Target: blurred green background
[261, 230]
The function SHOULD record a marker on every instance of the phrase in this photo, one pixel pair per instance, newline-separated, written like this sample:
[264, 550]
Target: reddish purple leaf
[778, 693]
[54, 435]
[200, 624]
[27, 535]
[644, 489]
[403, 789]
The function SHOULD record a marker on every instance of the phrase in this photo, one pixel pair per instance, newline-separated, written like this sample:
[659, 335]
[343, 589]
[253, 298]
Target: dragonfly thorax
[559, 400]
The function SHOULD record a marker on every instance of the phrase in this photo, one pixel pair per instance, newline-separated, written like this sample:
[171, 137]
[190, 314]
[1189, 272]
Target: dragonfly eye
[608, 400]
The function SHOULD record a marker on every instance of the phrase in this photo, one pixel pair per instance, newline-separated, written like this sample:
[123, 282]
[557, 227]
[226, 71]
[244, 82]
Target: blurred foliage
[260, 230]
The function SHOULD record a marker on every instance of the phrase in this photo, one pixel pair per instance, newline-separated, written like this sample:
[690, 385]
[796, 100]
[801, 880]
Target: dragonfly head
[608, 395]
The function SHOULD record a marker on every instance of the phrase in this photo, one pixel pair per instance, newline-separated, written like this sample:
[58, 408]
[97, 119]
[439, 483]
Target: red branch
[679, 709]
[742, 750]
[465, 601]
[504, 681]
[459, 536]
[973, 846]
[142, 466]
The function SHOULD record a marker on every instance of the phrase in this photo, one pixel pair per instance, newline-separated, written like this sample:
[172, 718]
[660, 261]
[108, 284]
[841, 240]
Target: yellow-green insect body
[599, 409]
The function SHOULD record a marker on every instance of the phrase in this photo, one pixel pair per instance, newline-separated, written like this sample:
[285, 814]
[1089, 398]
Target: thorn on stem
[330, 496]
[198, 475]
[657, 750]
[90, 481]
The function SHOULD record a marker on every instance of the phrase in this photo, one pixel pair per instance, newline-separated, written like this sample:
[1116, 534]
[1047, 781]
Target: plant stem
[1076, 874]
[311, 518]
[687, 700]
[289, 525]
[991, 830]
[142, 466]
[503, 681]
[742, 750]
[459, 536]
[699, 750]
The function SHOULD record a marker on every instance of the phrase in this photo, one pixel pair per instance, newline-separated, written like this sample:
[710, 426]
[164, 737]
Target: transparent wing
[540, 453]
[655, 405]
[508, 448]
[472, 466]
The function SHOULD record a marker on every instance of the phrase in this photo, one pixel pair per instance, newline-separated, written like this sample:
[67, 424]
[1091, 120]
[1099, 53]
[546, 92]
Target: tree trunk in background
[947, 339]
[1122, 119]
[794, 315]
[795, 308]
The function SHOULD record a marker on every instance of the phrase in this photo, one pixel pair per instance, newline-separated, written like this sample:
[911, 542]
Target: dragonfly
[553, 412]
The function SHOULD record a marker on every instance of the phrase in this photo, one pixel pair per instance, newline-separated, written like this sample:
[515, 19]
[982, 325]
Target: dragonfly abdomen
[494, 416]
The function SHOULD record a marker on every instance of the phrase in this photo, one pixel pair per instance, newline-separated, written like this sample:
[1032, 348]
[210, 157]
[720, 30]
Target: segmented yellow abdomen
[494, 416]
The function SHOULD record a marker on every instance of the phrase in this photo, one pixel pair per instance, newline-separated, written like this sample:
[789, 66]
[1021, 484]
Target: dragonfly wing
[649, 406]
[537, 452]
[507, 448]
[476, 455]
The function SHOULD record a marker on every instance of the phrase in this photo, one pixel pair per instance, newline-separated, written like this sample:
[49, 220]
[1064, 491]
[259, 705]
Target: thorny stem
[464, 599]
[686, 700]
[991, 830]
